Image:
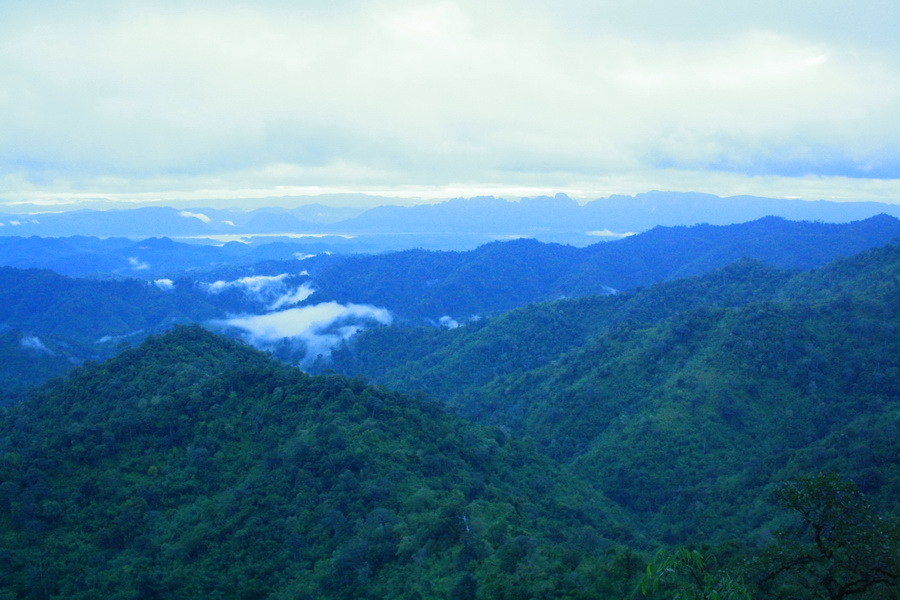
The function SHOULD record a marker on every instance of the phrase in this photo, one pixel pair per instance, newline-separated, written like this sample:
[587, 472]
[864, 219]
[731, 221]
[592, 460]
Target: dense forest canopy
[734, 433]
[194, 465]
[686, 399]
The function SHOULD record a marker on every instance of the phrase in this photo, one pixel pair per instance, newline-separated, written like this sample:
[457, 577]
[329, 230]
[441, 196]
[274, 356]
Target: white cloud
[319, 328]
[126, 98]
[32, 342]
[192, 215]
[606, 233]
[448, 322]
[295, 296]
[136, 264]
[298, 322]
[116, 339]
[272, 291]
[164, 284]
[253, 285]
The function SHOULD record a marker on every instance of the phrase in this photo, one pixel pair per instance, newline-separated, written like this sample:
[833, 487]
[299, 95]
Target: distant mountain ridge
[500, 276]
[644, 211]
[49, 322]
[460, 222]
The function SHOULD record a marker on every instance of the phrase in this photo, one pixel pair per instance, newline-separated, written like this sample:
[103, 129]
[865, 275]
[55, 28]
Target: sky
[180, 101]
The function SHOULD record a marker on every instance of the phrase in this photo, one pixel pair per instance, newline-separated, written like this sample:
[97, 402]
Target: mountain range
[50, 321]
[746, 409]
[458, 224]
[502, 275]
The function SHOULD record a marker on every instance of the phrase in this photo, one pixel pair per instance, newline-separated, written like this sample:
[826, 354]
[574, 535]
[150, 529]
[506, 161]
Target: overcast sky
[144, 100]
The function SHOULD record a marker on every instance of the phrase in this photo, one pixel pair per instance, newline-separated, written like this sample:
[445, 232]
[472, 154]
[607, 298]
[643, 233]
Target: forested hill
[687, 393]
[49, 322]
[193, 466]
[500, 276]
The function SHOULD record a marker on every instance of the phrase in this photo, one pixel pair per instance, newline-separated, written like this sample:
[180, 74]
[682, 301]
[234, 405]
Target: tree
[686, 575]
[838, 549]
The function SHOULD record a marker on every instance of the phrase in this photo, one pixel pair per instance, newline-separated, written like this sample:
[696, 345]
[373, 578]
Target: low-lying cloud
[312, 331]
[295, 297]
[136, 264]
[448, 322]
[272, 291]
[254, 285]
[33, 342]
[192, 215]
[304, 255]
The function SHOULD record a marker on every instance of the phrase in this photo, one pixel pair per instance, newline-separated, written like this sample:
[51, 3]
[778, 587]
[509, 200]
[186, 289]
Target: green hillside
[750, 414]
[193, 466]
[499, 276]
[686, 401]
[49, 322]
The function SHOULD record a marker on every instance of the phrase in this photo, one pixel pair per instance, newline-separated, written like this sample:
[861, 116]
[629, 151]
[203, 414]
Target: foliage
[78, 319]
[607, 424]
[87, 319]
[195, 466]
[726, 382]
[420, 285]
[684, 575]
[839, 548]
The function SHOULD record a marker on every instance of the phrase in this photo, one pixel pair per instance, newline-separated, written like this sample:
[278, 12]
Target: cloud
[32, 342]
[272, 291]
[110, 339]
[317, 329]
[606, 233]
[253, 285]
[164, 284]
[198, 216]
[131, 99]
[296, 296]
[448, 322]
[136, 264]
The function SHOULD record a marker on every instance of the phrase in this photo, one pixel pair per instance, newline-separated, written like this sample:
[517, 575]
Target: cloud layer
[272, 291]
[314, 329]
[124, 98]
[32, 342]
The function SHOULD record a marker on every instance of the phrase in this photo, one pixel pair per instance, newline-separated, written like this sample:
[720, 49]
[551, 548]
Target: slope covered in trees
[609, 425]
[417, 284]
[50, 322]
[687, 398]
[193, 466]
